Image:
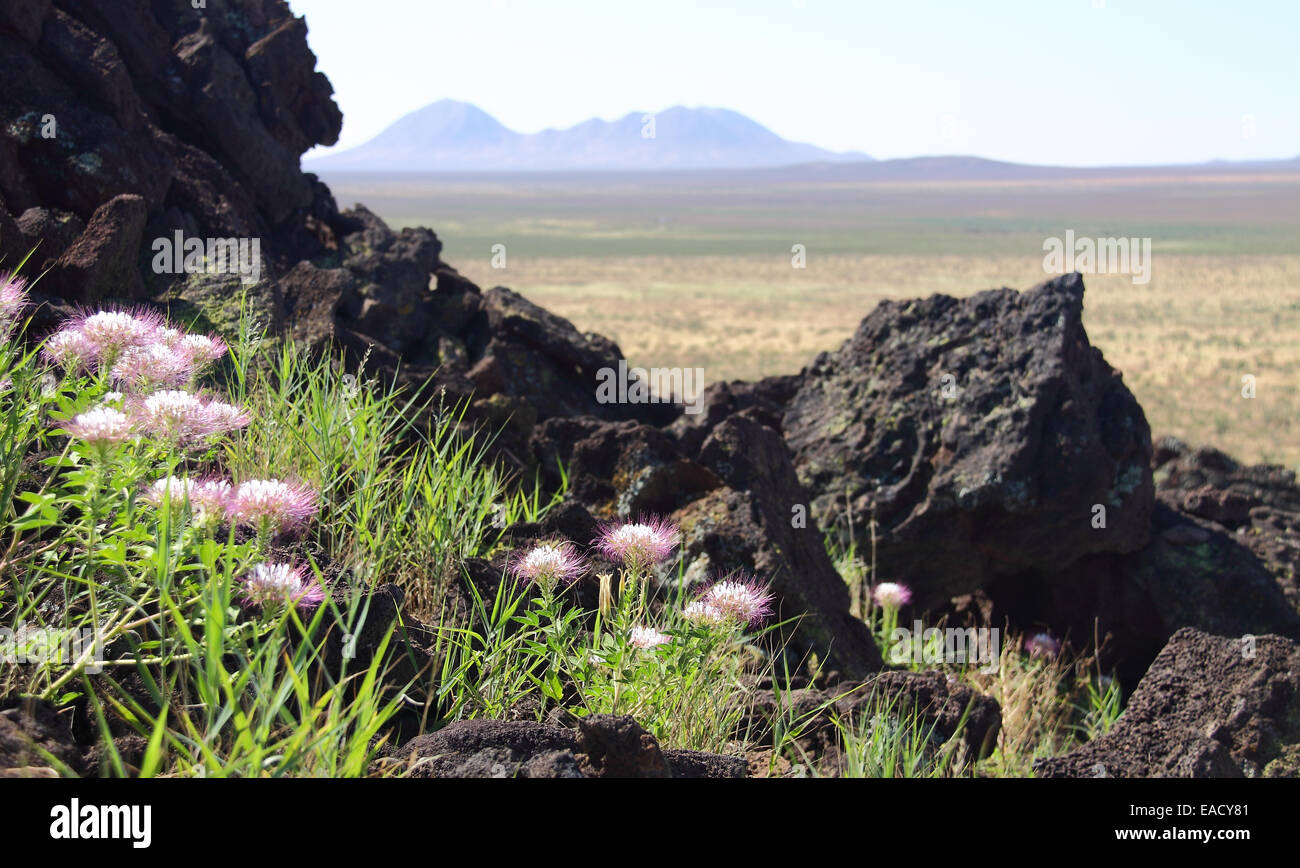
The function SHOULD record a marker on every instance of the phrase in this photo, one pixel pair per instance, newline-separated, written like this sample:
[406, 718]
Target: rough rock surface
[1003, 388]
[201, 113]
[1222, 558]
[101, 262]
[754, 524]
[601, 746]
[32, 731]
[981, 433]
[621, 469]
[1258, 504]
[1209, 706]
[697, 764]
[766, 400]
[1193, 573]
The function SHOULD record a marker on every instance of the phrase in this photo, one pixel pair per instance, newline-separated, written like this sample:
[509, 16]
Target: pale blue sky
[1036, 81]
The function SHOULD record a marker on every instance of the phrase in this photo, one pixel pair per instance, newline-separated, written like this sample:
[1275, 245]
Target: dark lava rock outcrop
[1010, 473]
[1192, 573]
[200, 113]
[1209, 706]
[619, 468]
[983, 434]
[1258, 504]
[1222, 558]
[601, 746]
[754, 524]
[132, 124]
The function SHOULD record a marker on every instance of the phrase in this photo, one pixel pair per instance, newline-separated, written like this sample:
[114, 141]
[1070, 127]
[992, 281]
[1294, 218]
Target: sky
[1052, 82]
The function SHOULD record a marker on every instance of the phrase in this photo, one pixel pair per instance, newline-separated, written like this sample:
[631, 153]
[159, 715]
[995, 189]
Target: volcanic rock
[1209, 706]
[600, 746]
[1259, 504]
[759, 524]
[767, 398]
[984, 435]
[1192, 573]
[101, 263]
[624, 469]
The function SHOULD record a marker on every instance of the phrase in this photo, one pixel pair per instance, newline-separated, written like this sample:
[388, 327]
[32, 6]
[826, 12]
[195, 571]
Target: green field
[696, 271]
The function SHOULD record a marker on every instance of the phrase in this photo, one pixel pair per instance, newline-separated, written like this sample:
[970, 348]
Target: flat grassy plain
[695, 270]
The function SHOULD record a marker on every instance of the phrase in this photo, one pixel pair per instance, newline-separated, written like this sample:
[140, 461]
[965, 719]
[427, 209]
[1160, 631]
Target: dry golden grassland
[699, 275]
[1184, 341]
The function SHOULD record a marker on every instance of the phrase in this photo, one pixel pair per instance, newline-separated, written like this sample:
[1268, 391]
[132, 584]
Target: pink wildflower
[891, 595]
[69, 349]
[640, 544]
[270, 505]
[207, 497]
[282, 584]
[152, 367]
[179, 417]
[741, 598]
[201, 349]
[108, 333]
[705, 614]
[646, 638]
[13, 301]
[548, 565]
[1042, 646]
[101, 427]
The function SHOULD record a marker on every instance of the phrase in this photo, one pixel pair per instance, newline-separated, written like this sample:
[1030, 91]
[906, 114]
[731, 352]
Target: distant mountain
[451, 136]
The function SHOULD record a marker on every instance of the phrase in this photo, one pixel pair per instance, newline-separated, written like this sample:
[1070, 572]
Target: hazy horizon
[1126, 84]
[320, 153]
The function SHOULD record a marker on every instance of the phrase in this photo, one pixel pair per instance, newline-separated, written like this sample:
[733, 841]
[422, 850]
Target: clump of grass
[1051, 704]
[885, 736]
[409, 494]
[203, 521]
[679, 668]
[889, 741]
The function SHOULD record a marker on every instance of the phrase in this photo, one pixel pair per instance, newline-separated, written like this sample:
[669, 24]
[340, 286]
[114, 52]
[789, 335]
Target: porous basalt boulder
[624, 469]
[981, 434]
[1209, 706]
[600, 746]
[1258, 504]
[759, 523]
